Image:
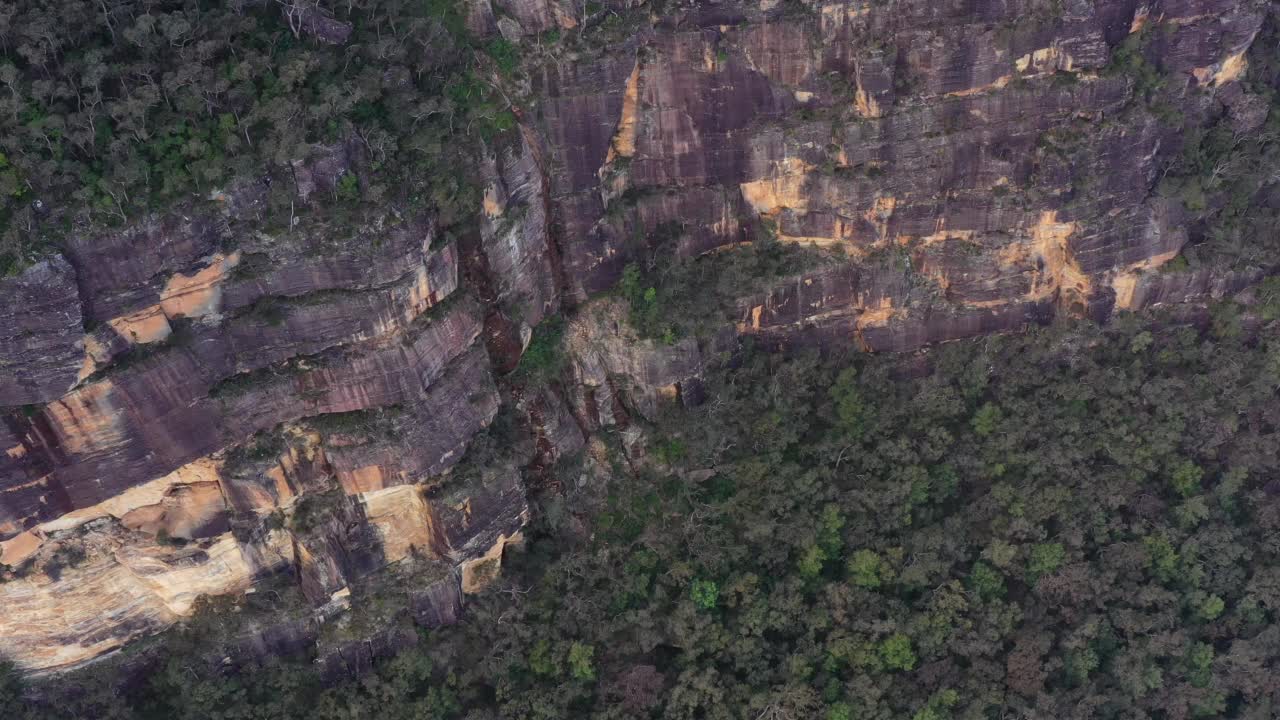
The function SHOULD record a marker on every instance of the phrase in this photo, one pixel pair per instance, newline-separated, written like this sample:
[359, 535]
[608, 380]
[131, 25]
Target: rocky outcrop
[512, 262]
[41, 338]
[556, 430]
[613, 367]
[96, 578]
[279, 406]
[194, 403]
[119, 586]
[982, 165]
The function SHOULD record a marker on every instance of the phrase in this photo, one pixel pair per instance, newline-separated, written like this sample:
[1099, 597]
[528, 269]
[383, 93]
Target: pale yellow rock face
[877, 315]
[367, 479]
[200, 293]
[202, 473]
[1055, 271]
[784, 189]
[287, 476]
[477, 574]
[865, 105]
[145, 326]
[190, 296]
[180, 513]
[94, 355]
[88, 419]
[1045, 60]
[865, 314]
[996, 84]
[177, 581]
[491, 204]
[1229, 70]
[624, 139]
[1125, 282]
[20, 547]
[130, 584]
[127, 586]
[1140, 17]
[1061, 272]
[404, 521]
[879, 214]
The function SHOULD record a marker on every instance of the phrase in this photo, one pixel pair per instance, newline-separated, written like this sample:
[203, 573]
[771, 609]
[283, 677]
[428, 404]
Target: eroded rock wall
[237, 410]
[193, 403]
[983, 164]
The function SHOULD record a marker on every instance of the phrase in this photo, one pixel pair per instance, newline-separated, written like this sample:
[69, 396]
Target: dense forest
[111, 110]
[1074, 523]
[1082, 521]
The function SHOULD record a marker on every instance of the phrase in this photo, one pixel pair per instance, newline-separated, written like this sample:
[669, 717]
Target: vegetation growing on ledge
[672, 297]
[111, 110]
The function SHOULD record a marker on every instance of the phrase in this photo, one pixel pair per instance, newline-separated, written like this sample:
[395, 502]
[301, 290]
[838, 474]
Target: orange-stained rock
[479, 572]
[186, 511]
[404, 520]
[124, 587]
[971, 186]
[15, 550]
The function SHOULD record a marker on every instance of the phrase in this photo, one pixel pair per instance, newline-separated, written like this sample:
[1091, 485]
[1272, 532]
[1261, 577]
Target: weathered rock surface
[986, 144]
[191, 405]
[512, 262]
[612, 366]
[138, 564]
[185, 446]
[557, 433]
[41, 338]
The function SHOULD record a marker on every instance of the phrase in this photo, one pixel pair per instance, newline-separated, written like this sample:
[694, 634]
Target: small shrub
[1185, 478]
[811, 562]
[347, 189]
[1269, 299]
[840, 711]
[1211, 608]
[705, 594]
[542, 661]
[986, 581]
[545, 355]
[1045, 559]
[581, 665]
[1163, 558]
[1199, 664]
[867, 569]
[505, 55]
[986, 419]
[896, 652]
[852, 414]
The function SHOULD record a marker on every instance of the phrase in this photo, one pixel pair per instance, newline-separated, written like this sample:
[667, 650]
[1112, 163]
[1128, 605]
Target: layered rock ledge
[192, 405]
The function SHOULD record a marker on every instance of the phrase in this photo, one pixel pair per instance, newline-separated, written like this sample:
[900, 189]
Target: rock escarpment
[983, 165]
[194, 403]
[217, 388]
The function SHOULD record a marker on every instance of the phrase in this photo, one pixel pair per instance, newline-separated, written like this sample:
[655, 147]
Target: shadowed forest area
[1076, 522]
[1080, 521]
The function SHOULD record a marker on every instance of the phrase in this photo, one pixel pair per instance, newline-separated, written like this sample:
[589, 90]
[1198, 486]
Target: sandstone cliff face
[234, 413]
[40, 333]
[977, 162]
[193, 404]
[613, 368]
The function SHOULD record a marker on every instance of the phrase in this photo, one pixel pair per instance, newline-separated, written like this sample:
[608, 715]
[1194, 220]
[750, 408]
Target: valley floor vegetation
[1078, 522]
